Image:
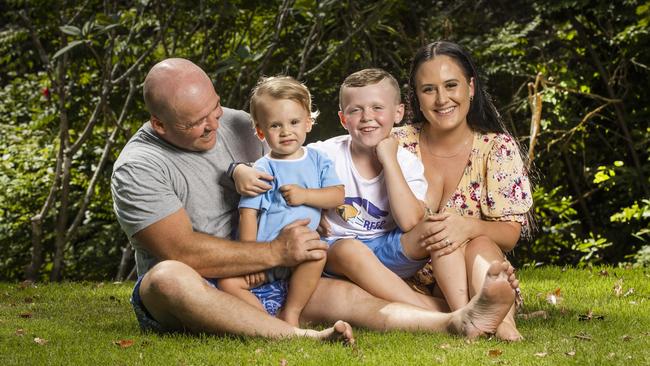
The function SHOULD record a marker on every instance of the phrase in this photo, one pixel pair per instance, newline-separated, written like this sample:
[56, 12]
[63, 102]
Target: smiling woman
[468, 156]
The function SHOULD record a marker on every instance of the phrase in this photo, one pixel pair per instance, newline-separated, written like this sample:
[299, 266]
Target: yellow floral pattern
[494, 185]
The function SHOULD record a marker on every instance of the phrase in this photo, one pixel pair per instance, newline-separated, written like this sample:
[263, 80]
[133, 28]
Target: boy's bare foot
[340, 332]
[486, 311]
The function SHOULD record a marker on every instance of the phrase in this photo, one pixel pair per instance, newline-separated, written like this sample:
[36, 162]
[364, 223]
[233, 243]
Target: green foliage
[590, 162]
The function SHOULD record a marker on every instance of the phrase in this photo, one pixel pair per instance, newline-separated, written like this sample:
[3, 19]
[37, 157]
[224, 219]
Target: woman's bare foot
[486, 311]
[507, 330]
[341, 332]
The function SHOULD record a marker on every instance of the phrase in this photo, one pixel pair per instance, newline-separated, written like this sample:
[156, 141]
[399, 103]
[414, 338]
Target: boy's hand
[255, 279]
[387, 149]
[250, 181]
[294, 194]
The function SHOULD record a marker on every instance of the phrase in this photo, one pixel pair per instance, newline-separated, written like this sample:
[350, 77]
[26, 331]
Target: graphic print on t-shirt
[363, 213]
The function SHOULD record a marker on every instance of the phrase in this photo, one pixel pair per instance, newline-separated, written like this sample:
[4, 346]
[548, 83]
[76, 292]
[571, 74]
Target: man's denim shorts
[272, 295]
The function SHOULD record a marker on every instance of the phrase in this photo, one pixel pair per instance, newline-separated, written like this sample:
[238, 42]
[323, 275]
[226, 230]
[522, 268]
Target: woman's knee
[482, 246]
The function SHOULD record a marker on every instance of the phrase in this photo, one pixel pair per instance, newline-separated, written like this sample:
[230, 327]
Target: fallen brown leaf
[283, 362]
[29, 300]
[618, 287]
[555, 297]
[603, 273]
[26, 315]
[124, 343]
[20, 332]
[626, 338]
[570, 353]
[40, 341]
[629, 292]
[590, 315]
[535, 314]
[258, 351]
[495, 352]
[25, 284]
[541, 354]
[583, 336]
[445, 345]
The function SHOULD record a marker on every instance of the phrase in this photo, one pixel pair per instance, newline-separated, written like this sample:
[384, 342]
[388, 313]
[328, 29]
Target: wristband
[233, 165]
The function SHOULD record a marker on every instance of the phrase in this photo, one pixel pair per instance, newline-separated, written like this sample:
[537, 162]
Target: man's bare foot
[486, 311]
[341, 332]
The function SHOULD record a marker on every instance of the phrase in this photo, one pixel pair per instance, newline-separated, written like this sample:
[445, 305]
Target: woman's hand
[250, 181]
[446, 232]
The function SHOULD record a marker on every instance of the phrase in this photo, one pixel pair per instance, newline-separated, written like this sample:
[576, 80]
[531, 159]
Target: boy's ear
[399, 113]
[157, 125]
[259, 133]
[342, 119]
[310, 124]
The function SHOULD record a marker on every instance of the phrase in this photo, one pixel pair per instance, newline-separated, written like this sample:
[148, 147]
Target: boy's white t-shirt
[366, 212]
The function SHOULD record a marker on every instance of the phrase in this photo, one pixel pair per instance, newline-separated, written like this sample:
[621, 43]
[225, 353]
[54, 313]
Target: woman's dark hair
[482, 115]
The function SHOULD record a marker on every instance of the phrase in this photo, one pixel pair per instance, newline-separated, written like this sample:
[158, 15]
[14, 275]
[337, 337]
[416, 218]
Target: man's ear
[157, 125]
[342, 119]
[259, 133]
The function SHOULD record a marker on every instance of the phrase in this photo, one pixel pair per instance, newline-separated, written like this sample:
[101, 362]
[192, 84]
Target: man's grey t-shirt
[153, 179]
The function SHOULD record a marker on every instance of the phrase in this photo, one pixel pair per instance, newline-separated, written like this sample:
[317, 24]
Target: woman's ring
[447, 242]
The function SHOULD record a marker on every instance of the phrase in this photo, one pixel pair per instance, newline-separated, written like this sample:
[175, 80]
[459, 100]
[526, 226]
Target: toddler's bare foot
[291, 317]
[488, 308]
[340, 332]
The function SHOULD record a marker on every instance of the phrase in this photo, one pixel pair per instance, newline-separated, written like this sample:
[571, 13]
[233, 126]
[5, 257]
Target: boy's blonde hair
[281, 87]
[367, 77]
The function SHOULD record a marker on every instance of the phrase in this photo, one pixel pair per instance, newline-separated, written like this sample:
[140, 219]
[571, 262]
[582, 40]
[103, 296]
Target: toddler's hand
[294, 194]
[255, 279]
[387, 149]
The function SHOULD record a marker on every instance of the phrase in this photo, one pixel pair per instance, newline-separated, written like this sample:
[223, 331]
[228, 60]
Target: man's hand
[250, 181]
[255, 279]
[297, 244]
[294, 194]
[387, 149]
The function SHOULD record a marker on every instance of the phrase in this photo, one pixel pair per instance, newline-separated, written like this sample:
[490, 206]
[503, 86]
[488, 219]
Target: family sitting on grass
[337, 232]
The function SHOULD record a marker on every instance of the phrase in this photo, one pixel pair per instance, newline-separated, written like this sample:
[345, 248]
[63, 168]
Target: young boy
[384, 190]
[304, 183]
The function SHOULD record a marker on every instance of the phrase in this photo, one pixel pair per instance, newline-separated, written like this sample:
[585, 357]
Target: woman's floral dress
[494, 185]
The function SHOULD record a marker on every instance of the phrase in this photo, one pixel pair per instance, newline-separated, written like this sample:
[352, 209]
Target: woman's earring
[471, 98]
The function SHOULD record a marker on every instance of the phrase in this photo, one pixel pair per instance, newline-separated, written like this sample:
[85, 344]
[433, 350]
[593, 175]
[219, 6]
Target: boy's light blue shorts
[272, 295]
[388, 250]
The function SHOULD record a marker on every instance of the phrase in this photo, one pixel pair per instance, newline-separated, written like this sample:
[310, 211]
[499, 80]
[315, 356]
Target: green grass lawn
[600, 316]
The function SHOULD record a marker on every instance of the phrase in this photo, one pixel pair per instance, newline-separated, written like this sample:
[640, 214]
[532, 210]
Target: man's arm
[173, 238]
[406, 209]
[324, 198]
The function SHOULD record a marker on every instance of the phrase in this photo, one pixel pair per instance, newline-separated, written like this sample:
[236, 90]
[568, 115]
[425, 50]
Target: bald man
[176, 202]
